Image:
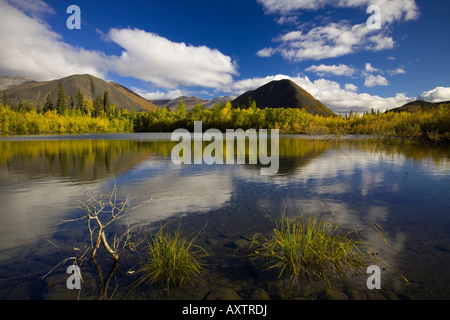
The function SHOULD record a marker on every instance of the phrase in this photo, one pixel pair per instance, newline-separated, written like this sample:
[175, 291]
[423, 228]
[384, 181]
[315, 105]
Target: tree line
[427, 125]
[66, 115]
[79, 115]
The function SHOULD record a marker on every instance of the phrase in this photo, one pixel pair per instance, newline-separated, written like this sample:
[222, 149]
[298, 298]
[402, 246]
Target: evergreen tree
[70, 102]
[106, 105]
[5, 99]
[61, 102]
[106, 100]
[80, 102]
[250, 104]
[48, 104]
[98, 107]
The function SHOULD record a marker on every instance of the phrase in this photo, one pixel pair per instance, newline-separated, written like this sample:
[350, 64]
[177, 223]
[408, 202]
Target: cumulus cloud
[379, 42]
[266, 52]
[335, 39]
[350, 87]
[150, 57]
[162, 95]
[337, 70]
[438, 94]
[392, 10]
[373, 81]
[328, 41]
[35, 8]
[397, 71]
[367, 73]
[370, 68]
[379, 80]
[30, 48]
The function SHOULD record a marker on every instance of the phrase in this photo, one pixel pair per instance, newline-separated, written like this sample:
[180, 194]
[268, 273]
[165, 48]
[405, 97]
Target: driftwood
[102, 210]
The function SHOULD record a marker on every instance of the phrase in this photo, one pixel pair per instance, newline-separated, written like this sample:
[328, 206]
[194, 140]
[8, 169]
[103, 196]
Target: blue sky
[165, 49]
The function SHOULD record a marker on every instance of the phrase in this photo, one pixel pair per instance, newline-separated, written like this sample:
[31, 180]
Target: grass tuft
[170, 259]
[311, 248]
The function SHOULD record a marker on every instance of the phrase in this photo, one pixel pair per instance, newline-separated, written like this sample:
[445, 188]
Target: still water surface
[403, 188]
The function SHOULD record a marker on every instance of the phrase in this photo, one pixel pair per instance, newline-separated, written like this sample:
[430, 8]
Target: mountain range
[275, 94]
[191, 102]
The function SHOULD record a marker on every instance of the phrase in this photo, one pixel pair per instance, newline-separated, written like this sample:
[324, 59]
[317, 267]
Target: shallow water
[355, 182]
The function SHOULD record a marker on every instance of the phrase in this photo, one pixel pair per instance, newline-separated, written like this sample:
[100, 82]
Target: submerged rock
[260, 294]
[222, 293]
[239, 244]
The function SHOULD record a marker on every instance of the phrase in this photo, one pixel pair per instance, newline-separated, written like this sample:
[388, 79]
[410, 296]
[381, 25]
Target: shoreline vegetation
[98, 116]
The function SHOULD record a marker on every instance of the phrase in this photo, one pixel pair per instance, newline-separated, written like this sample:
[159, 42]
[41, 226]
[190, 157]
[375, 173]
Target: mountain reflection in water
[403, 188]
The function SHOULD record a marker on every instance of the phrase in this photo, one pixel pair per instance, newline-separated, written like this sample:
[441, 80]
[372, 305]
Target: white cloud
[338, 70]
[330, 41]
[380, 42]
[30, 48]
[287, 19]
[168, 64]
[438, 94]
[266, 52]
[370, 68]
[336, 39]
[373, 81]
[289, 6]
[156, 95]
[397, 71]
[34, 8]
[392, 10]
[350, 87]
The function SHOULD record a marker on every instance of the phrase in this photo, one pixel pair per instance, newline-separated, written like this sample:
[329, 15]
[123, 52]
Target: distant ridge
[223, 99]
[89, 85]
[9, 82]
[283, 94]
[189, 102]
[418, 105]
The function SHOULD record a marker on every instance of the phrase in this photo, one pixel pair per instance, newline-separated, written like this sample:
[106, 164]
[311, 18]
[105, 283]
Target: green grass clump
[311, 248]
[170, 259]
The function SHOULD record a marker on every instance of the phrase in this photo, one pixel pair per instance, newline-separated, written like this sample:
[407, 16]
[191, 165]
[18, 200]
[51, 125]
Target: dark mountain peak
[283, 94]
[283, 82]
